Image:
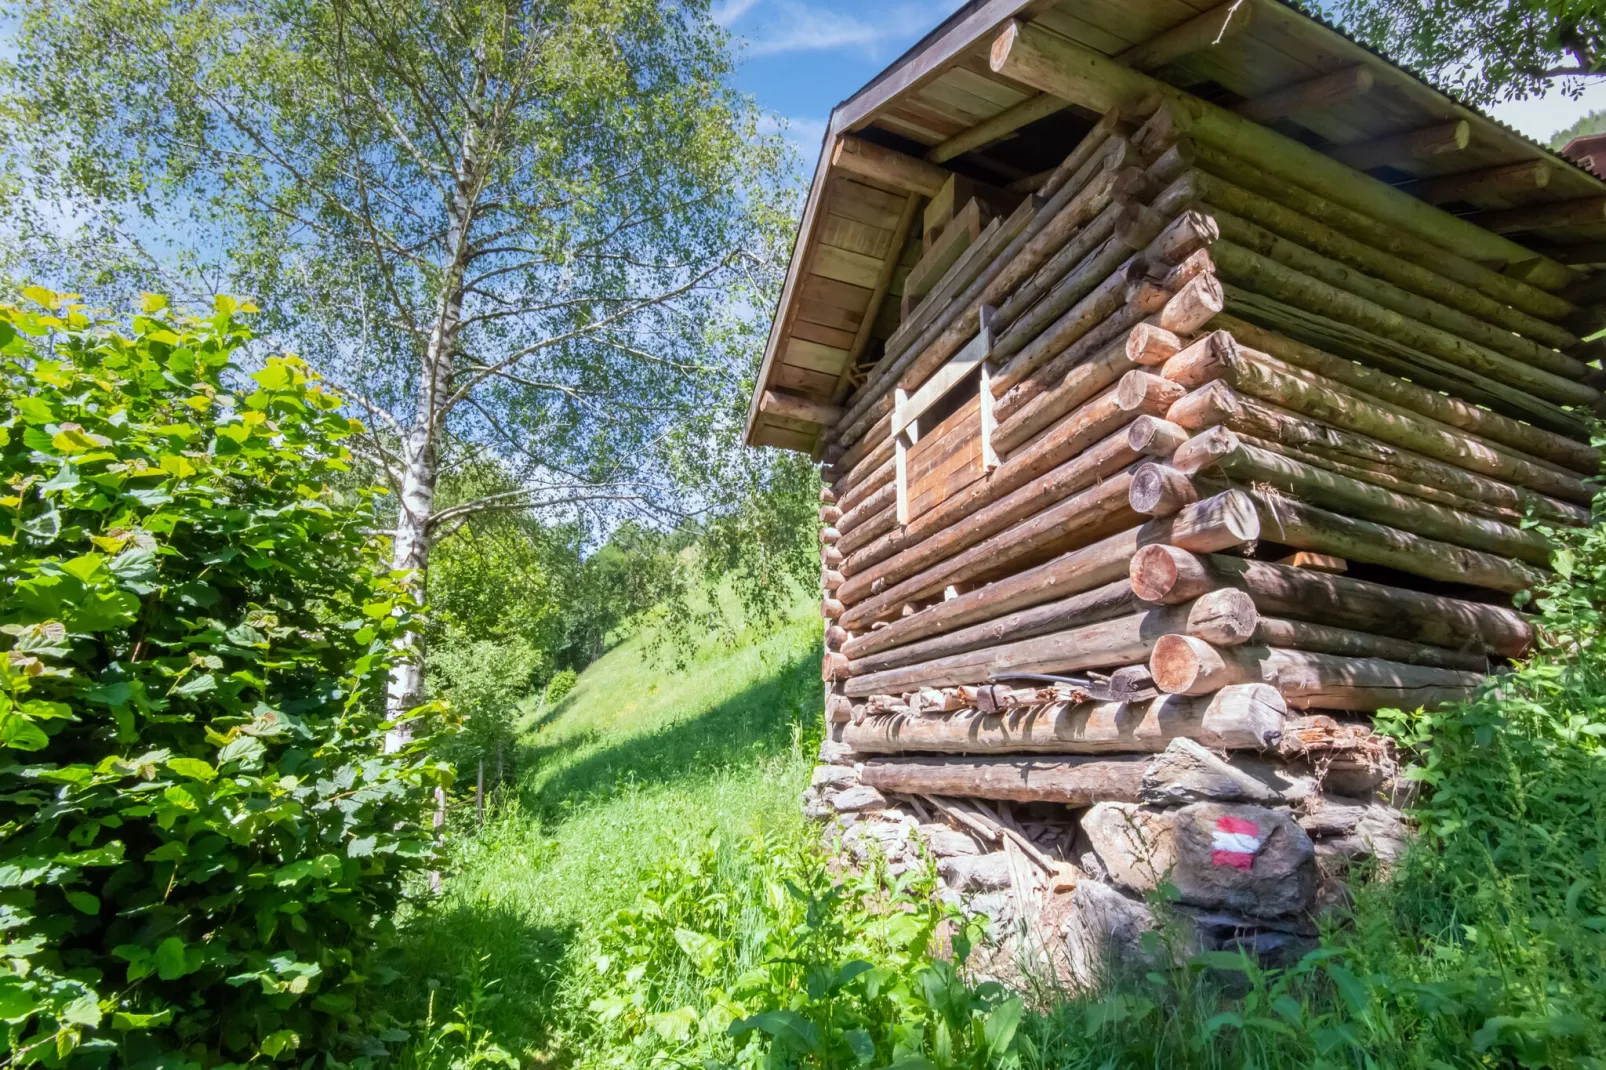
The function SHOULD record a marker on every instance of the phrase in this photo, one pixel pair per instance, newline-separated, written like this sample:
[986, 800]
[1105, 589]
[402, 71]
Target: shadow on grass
[757, 723]
[483, 963]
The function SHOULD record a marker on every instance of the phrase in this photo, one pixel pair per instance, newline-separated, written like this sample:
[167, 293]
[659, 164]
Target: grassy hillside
[638, 763]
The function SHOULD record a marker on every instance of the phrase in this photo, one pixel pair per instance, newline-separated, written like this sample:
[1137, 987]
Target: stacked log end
[1258, 466]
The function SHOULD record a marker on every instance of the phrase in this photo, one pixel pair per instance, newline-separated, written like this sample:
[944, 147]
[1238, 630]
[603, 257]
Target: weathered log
[829, 536]
[1217, 523]
[831, 557]
[887, 166]
[1306, 527]
[1440, 259]
[1414, 310]
[1584, 212]
[1184, 665]
[1185, 271]
[1194, 305]
[1071, 781]
[926, 544]
[1262, 275]
[1350, 643]
[1218, 404]
[1221, 450]
[827, 496]
[1315, 94]
[830, 514]
[835, 637]
[1167, 574]
[1245, 717]
[1069, 241]
[1345, 249]
[1086, 366]
[1202, 32]
[834, 666]
[1159, 490]
[1037, 57]
[1153, 436]
[852, 492]
[1435, 140]
[1088, 294]
[1218, 356]
[1091, 143]
[1087, 607]
[830, 608]
[830, 579]
[867, 506]
[1080, 519]
[1224, 617]
[1151, 345]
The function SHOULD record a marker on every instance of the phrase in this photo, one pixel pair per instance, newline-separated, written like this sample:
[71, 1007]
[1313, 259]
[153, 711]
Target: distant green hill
[1593, 123]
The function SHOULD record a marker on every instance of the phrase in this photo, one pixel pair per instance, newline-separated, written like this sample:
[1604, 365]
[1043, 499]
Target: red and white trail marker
[1235, 842]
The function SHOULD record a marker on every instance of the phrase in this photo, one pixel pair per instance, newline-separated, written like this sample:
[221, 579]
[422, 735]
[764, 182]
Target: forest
[407, 663]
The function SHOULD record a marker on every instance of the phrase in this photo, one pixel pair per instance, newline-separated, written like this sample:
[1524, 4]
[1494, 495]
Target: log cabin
[1178, 370]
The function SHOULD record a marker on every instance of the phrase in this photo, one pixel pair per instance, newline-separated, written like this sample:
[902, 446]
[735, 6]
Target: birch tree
[504, 227]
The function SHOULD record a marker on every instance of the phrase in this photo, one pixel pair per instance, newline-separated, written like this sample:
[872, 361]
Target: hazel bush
[202, 840]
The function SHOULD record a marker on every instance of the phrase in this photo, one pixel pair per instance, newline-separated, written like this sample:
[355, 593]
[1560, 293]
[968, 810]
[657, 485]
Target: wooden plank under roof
[943, 87]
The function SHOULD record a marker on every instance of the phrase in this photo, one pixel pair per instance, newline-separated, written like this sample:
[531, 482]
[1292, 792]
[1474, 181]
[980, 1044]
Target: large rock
[976, 873]
[878, 834]
[859, 797]
[1104, 932]
[1186, 772]
[834, 752]
[1245, 859]
[1133, 844]
[834, 776]
[945, 842]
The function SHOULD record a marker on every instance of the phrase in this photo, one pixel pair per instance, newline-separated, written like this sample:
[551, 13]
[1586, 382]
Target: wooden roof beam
[1489, 182]
[1320, 92]
[1203, 31]
[878, 294]
[1433, 140]
[1033, 55]
[887, 167]
[1589, 252]
[796, 407]
[1582, 213]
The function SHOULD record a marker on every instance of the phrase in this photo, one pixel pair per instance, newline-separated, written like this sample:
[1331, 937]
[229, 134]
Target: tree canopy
[515, 232]
[1488, 50]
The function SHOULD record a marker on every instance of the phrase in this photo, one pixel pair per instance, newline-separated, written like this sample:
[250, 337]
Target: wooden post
[479, 793]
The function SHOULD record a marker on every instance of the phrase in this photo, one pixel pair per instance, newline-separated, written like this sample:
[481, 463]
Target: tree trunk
[421, 452]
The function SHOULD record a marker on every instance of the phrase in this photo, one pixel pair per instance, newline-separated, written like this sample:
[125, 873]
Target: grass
[638, 764]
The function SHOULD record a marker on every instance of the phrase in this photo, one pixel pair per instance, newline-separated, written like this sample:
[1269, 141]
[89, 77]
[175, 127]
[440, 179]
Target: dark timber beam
[1490, 182]
[1414, 144]
[1590, 210]
[887, 167]
[1203, 31]
[1320, 92]
[794, 407]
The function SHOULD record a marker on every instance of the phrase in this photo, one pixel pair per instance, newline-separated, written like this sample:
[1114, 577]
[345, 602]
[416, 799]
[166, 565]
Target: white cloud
[730, 11]
[1540, 117]
[784, 26]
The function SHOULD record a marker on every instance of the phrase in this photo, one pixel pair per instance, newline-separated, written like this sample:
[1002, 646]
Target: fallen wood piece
[1185, 665]
[1167, 574]
[951, 809]
[1007, 831]
[1217, 523]
[1220, 450]
[1071, 781]
[1307, 527]
[1242, 717]
[1316, 562]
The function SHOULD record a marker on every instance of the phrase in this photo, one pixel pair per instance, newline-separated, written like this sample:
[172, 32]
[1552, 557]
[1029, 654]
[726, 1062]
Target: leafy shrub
[484, 679]
[759, 955]
[558, 688]
[202, 839]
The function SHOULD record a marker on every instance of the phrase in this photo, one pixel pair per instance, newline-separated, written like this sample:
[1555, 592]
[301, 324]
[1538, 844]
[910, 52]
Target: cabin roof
[834, 309]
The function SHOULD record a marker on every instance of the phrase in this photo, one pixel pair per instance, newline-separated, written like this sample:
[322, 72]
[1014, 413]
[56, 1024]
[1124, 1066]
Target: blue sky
[802, 57]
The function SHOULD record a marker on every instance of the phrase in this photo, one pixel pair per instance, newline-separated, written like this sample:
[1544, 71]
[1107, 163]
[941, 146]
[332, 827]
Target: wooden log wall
[1200, 366]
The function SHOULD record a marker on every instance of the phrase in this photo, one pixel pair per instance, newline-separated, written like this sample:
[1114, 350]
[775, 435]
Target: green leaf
[198, 684]
[16, 1001]
[193, 768]
[19, 733]
[171, 960]
[124, 1021]
[83, 902]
